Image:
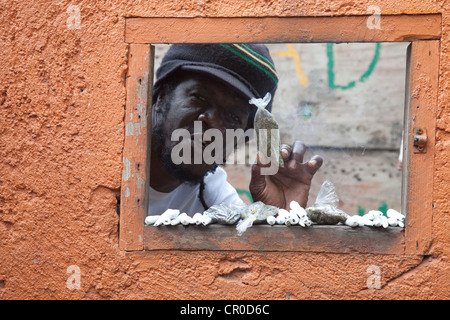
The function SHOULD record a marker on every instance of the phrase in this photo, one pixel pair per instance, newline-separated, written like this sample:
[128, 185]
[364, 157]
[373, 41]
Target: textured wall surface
[62, 100]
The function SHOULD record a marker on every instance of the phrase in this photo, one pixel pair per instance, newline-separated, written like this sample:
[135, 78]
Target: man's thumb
[257, 180]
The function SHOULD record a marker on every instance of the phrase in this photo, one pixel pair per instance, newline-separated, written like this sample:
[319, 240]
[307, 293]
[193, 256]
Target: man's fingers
[262, 160]
[285, 151]
[298, 151]
[292, 155]
[257, 181]
[314, 164]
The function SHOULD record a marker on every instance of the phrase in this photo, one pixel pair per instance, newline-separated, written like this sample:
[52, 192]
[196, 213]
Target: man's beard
[177, 171]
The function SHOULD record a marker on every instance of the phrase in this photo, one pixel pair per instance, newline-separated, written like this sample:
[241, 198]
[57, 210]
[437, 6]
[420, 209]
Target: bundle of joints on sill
[244, 216]
[375, 218]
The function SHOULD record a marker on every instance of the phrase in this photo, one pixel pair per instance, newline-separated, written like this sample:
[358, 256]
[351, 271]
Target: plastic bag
[243, 225]
[224, 213]
[256, 212]
[259, 210]
[324, 210]
[264, 120]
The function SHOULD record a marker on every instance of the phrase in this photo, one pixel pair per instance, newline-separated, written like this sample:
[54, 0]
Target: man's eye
[235, 118]
[199, 97]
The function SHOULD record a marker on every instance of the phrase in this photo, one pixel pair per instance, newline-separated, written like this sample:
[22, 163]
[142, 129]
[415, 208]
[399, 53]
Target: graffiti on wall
[293, 54]
[351, 84]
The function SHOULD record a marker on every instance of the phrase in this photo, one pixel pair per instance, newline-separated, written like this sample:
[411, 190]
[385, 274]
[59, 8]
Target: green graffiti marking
[383, 208]
[361, 211]
[351, 84]
[245, 193]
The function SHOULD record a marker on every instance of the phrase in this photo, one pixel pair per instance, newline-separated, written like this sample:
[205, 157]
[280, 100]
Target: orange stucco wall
[62, 100]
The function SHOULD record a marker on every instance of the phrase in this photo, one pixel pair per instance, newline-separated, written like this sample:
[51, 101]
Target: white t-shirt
[185, 197]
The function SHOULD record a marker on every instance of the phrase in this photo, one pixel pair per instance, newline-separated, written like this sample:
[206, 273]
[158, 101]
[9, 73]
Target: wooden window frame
[424, 34]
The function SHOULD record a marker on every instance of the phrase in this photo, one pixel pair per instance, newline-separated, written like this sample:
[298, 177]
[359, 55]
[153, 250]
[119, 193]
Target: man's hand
[290, 183]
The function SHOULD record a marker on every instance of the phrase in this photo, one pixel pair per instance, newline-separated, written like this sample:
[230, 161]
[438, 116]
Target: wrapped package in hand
[264, 123]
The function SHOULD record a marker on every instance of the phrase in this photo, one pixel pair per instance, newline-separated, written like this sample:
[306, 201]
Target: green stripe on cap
[252, 61]
[247, 52]
[269, 63]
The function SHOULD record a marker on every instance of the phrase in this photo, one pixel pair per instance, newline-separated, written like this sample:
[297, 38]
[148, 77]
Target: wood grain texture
[422, 93]
[317, 238]
[282, 29]
[136, 159]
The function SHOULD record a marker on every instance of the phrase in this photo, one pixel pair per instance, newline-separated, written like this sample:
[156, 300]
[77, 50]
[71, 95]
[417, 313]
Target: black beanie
[248, 68]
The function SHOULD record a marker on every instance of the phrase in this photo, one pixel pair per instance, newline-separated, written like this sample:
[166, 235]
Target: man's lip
[197, 137]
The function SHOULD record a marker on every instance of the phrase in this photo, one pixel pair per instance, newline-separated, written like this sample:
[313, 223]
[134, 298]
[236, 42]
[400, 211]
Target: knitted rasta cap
[248, 68]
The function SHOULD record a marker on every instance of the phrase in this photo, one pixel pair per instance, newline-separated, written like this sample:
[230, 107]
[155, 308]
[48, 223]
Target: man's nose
[212, 118]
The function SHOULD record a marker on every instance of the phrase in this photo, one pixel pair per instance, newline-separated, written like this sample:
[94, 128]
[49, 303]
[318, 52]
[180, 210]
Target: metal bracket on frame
[420, 140]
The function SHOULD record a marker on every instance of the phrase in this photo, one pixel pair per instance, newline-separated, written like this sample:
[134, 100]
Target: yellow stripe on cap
[268, 66]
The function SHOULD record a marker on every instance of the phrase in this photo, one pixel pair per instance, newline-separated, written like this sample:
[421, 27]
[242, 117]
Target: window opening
[346, 103]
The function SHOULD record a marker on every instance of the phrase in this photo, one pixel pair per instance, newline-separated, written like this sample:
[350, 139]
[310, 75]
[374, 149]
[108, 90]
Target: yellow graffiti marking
[292, 53]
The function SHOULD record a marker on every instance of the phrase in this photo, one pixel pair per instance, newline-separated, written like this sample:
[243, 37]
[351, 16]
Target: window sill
[316, 238]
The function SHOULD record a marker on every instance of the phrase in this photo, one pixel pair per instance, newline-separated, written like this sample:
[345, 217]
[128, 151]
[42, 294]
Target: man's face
[198, 97]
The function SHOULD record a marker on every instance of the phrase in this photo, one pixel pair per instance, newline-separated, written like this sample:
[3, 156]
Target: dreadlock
[200, 194]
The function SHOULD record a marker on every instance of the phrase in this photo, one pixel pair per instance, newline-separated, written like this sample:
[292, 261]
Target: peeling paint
[135, 128]
[140, 183]
[127, 169]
